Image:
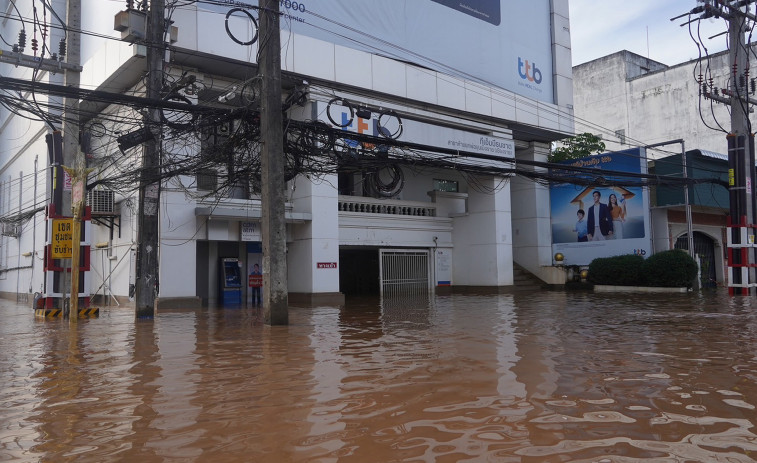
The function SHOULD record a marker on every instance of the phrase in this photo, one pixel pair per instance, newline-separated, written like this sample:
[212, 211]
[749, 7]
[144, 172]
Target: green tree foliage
[582, 145]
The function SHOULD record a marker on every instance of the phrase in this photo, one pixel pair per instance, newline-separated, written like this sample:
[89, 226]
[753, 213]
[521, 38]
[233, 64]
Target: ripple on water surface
[541, 377]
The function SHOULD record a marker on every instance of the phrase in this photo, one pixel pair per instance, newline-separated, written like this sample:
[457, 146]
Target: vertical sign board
[62, 242]
[250, 231]
[572, 207]
[443, 268]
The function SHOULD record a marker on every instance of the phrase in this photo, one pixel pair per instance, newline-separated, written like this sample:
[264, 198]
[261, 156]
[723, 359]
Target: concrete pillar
[531, 219]
[482, 239]
[315, 242]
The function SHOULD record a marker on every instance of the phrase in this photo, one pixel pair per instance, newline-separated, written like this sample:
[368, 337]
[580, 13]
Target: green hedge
[674, 268]
[618, 270]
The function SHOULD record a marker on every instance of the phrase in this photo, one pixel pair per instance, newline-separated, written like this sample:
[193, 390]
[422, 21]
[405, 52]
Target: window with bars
[207, 180]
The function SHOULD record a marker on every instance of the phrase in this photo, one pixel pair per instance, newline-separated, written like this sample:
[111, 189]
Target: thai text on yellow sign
[62, 238]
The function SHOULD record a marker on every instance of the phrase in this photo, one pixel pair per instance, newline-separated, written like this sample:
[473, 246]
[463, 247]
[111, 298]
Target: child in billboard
[581, 227]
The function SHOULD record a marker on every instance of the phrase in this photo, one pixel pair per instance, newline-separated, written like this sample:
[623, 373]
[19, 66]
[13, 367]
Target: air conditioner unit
[101, 202]
[11, 229]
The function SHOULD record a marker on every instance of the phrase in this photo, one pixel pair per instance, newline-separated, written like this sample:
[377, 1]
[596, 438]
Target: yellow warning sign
[62, 238]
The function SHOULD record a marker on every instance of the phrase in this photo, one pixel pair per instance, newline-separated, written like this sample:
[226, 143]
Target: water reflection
[486, 377]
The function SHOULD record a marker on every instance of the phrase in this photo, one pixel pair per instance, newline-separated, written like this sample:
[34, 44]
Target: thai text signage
[326, 264]
[62, 238]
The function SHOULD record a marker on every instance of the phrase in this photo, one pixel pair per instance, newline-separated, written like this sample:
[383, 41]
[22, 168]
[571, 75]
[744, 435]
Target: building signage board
[421, 133]
[575, 214]
[325, 264]
[502, 43]
[62, 238]
[250, 231]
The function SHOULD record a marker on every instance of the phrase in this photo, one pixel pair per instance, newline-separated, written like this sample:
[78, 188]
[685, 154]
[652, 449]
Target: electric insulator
[35, 45]
[753, 85]
[704, 89]
[129, 4]
[700, 79]
[62, 48]
[22, 39]
[742, 81]
[716, 91]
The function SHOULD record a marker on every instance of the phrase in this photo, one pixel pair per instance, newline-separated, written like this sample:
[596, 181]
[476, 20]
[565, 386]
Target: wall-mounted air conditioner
[101, 202]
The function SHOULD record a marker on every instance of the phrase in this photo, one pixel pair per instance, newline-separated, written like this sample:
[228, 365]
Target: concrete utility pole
[149, 185]
[740, 162]
[71, 137]
[275, 290]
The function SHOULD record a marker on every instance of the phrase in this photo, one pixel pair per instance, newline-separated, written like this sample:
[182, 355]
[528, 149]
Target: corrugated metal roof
[712, 154]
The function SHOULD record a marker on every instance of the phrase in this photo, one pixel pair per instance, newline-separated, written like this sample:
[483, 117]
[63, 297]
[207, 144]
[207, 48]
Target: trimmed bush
[674, 268]
[625, 270]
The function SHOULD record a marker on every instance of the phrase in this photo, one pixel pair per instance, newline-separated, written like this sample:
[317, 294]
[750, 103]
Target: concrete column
[531, 219]
[316, 241]
[482, 239]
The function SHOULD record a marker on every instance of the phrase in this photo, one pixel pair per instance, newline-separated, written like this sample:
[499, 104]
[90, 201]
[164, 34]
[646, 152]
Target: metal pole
[275, 290]
[34, 226]
[18, 235]
[687, 205]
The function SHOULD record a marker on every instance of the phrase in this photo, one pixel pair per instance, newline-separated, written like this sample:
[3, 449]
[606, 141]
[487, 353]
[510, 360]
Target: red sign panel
[325, 264]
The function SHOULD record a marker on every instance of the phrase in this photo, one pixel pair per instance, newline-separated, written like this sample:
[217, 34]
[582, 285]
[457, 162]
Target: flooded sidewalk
[545, 377]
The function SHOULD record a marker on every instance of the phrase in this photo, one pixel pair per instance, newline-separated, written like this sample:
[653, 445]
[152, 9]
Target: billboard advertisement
[506, 44]
[601, 220]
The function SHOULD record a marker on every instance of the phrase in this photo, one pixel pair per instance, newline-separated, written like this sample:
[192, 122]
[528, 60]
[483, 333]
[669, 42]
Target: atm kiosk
[230, 281]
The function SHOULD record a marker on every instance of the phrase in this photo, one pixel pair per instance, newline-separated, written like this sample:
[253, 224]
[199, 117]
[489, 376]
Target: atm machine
[230, 282]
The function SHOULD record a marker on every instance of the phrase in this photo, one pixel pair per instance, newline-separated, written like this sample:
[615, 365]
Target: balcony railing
[385, 206]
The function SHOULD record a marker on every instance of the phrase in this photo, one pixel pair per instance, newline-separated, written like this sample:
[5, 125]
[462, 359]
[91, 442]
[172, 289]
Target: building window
[207, 180]
[449, 186]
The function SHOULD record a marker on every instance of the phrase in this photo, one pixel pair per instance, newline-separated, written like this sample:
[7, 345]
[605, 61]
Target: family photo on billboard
[600, 215]
[604, 217]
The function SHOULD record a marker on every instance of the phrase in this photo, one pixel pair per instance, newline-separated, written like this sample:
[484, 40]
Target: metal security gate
[704, 249]
[405, 271]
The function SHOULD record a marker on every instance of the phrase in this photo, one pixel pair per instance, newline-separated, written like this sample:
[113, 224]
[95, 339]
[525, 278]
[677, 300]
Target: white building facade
[493, 92]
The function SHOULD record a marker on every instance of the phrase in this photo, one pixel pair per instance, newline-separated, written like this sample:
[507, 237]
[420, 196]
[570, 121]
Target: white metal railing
[385, 206]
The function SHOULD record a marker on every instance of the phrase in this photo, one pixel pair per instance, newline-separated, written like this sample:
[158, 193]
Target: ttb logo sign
[528, 71]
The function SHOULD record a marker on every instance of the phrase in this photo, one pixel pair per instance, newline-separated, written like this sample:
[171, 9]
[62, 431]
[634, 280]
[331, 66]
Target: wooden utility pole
[275, 290]
[149, 185]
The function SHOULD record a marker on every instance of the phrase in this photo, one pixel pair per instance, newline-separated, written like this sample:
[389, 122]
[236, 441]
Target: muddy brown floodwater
[547, 377]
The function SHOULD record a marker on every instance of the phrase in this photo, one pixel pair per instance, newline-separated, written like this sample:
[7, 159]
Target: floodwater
[546, 377]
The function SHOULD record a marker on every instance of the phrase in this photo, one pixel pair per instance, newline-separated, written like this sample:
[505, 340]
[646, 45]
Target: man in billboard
[599, 218]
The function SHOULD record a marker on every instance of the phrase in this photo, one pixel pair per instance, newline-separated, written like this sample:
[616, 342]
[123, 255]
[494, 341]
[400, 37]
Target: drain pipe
[34, 227]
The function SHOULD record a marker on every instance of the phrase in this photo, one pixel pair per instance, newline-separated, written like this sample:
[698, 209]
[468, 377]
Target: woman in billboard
[618, 214]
